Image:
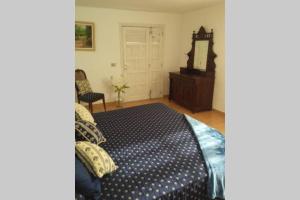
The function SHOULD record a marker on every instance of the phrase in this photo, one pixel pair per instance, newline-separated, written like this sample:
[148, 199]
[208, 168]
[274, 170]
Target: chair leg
[91, 107]
[104, 103]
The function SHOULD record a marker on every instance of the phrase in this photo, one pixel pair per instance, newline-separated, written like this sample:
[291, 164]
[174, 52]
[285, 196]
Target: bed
[157, 154]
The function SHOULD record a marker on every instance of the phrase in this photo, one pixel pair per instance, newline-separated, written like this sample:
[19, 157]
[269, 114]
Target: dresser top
[186, 75]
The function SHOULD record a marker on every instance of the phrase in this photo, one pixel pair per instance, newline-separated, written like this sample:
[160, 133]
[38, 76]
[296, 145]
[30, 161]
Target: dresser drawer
[192, 92]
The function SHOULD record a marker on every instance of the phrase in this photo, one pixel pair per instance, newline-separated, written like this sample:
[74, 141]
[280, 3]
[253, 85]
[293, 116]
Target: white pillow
[84, 113]
[95, 158]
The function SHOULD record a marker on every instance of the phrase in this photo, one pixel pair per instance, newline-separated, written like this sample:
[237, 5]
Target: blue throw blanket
[212, 144]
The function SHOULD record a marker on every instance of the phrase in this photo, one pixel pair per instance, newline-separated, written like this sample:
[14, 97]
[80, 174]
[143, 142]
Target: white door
[155, 63]
[142, 60]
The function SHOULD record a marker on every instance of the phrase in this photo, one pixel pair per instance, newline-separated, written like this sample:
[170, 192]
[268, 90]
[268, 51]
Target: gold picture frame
[84, 36]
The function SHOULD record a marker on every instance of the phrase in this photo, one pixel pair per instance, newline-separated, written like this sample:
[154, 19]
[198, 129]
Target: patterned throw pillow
[84, 113]
[83, 87]
[77, 116]
[86, 131]
[96, 159]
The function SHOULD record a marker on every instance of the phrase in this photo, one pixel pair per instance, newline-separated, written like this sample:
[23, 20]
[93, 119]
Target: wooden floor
[213, 118]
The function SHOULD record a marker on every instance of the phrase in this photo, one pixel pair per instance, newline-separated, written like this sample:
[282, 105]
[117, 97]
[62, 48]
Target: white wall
[211, 18]
[107, 38]
[178, 38]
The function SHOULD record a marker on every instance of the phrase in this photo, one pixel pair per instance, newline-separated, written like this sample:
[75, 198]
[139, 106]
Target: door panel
[155, 63]
[188, 95]
[177, 90]
[135, 68]
[142, 56]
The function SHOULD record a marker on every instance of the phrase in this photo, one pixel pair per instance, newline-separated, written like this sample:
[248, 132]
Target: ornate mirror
[201, 56]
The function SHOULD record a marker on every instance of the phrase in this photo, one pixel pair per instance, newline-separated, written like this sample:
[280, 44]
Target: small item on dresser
[87, 131]
[95, 158]
[84, 113]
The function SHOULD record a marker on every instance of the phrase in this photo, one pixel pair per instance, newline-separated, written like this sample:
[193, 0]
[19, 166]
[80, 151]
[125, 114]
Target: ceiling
[174, 6]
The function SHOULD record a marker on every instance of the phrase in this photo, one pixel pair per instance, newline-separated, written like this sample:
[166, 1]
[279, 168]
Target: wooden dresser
[193, 86]
[192, 91]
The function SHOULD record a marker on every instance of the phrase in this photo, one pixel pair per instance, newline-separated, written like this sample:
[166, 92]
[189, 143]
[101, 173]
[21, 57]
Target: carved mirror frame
[210, 63]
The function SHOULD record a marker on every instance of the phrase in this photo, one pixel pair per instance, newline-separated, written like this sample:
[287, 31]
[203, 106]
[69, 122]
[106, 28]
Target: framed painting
[84, 36]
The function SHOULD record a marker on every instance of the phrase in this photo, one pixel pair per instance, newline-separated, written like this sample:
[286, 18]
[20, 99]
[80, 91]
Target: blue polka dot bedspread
[157, 154]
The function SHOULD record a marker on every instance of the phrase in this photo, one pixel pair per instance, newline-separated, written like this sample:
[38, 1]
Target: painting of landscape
[84, 36]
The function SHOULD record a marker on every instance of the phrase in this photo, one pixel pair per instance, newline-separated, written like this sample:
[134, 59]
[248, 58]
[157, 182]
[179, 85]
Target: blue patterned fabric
[212, 144]
[80, 197]
[86, 183]
[157, 154]
[91, 97]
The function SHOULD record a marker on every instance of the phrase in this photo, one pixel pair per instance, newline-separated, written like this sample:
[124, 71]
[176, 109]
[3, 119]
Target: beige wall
[178, 31]
[107, 37]
[211, 18]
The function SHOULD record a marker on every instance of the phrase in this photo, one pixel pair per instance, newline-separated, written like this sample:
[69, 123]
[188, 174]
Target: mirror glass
[200, 56]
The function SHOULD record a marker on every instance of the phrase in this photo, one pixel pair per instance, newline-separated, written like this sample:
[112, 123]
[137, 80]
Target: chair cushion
[95, 158]
[91, 97]
[85, 182]
[84, 113]
[83, 86]
[86, 131]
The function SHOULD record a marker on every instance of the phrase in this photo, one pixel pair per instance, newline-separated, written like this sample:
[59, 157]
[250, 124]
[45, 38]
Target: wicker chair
[90, 97]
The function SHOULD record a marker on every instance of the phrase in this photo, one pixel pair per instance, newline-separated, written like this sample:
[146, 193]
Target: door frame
[121, 25]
